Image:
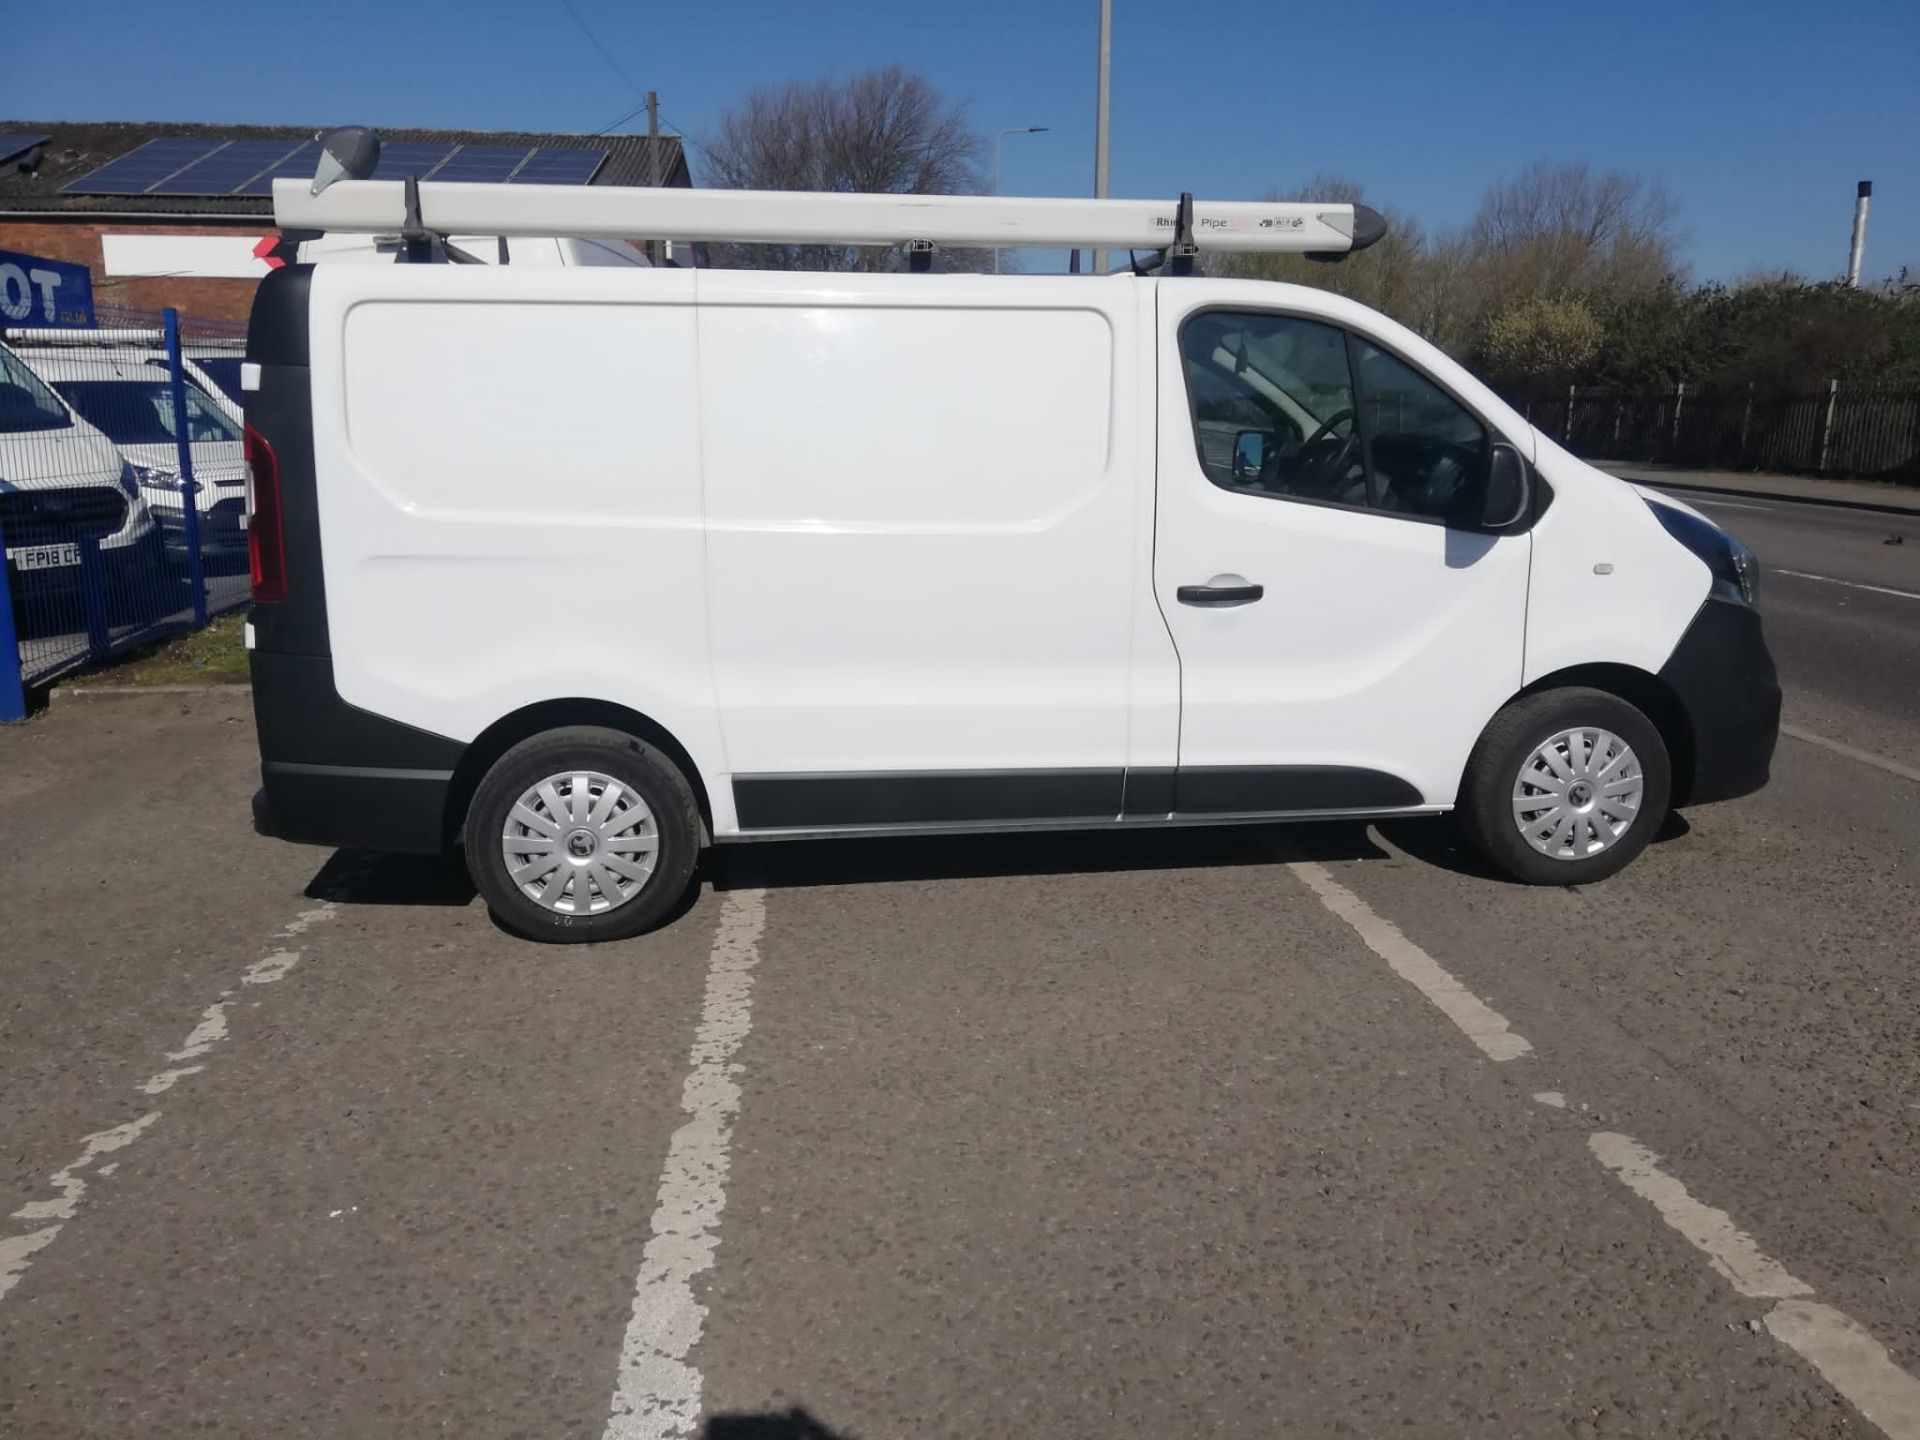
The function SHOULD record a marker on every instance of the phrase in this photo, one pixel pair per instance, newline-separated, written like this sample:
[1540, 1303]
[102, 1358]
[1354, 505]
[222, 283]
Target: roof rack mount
[619, 212]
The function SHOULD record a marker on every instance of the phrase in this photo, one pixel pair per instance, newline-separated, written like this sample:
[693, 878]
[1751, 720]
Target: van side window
[1429, 455]
[1273, 406]
[1301, 410]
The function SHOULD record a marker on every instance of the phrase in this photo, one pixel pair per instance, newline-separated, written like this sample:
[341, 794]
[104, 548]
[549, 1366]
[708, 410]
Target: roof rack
[620, 212]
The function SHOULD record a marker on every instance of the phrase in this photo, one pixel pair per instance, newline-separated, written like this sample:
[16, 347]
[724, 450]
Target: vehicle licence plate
[43, 557]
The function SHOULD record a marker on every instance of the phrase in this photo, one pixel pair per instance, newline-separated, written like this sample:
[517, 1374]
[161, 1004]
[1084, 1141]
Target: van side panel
[509, 494]
[923, 510]
[1609, 585]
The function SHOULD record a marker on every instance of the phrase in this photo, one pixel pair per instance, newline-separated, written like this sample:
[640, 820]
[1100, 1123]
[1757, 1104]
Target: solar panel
[297, 166]
[401, 159]
[175, 165]
[481, 164]
[228, 168]
[559, 167]
[12, 145]
[139, 171]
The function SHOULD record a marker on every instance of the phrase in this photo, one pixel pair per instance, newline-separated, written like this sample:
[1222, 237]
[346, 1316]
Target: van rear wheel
[1566, 787]
[582, 834]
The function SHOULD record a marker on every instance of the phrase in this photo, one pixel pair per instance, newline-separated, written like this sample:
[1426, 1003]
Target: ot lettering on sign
[44, 292]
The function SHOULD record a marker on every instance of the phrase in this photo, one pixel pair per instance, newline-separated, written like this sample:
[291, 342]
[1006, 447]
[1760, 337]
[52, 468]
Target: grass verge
[216, 655]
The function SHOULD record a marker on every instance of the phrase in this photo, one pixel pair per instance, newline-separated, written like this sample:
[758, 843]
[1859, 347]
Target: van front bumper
[1724, 677]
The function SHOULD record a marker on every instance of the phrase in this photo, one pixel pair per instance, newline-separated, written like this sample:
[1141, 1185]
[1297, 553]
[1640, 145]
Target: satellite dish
[347, 153]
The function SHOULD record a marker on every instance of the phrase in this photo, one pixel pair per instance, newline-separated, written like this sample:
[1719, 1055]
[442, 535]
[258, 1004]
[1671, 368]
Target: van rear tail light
[266, 532]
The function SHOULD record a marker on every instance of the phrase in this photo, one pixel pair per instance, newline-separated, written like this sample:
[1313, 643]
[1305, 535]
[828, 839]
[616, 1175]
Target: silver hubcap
[1578, 793]
[580, 843]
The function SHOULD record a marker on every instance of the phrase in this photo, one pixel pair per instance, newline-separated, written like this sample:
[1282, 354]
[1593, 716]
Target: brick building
[125, 238]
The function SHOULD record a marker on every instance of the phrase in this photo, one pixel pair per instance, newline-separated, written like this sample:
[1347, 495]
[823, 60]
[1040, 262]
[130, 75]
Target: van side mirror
[1508, 493]
[1249, 453]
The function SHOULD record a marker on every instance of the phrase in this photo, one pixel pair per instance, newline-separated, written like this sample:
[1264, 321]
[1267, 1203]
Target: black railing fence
[1837, 429]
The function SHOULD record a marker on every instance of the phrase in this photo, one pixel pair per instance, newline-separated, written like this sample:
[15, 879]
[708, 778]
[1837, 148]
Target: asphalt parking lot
[1312, 1131]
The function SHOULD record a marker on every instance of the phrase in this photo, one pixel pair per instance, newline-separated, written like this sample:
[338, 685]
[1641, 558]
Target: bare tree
[1366, 276]
[1401, 273]
[1552, 232]
[882, 132]
[1563, 229]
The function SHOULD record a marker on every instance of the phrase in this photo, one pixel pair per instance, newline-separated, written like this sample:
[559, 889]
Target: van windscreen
[25, 401]
[224, 371]
[140, 412]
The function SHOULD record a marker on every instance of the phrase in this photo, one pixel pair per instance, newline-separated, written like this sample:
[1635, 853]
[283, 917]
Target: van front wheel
[582, 834]
[1566, 787]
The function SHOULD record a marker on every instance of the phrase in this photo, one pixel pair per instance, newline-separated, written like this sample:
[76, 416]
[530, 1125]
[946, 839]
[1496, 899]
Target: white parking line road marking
[17, 1251]
[1847, 1357]
[1850, 584]
[1712, 1232]
[1853, 1362]
[657, 1393]
[67, 1180]
[1865, 757]
[1478, 1021]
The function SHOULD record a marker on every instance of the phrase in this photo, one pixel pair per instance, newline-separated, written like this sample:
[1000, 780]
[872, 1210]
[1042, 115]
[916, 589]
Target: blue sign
[44, 292]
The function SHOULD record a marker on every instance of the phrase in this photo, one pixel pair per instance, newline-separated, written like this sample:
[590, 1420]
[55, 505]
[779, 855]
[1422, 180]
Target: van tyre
[1566, 787]
[582, 834]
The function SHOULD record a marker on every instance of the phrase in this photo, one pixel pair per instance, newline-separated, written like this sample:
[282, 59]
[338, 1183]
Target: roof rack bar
[802, 217]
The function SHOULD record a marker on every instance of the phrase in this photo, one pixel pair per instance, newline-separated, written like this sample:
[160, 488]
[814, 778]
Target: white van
[585, 569]
[63, 483]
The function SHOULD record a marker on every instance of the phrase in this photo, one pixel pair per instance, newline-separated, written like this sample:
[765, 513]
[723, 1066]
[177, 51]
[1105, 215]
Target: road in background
[1840, 590]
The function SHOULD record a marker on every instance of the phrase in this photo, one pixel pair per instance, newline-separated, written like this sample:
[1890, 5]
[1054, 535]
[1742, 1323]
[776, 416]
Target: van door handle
[1219, 595]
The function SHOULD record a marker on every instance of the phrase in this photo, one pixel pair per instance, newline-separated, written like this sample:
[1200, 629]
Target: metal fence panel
[1833, 430]
[122, 493]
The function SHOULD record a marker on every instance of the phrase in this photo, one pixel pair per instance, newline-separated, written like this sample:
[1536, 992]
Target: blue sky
[1759, 116]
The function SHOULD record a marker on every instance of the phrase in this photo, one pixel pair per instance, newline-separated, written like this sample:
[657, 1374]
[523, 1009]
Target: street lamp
[999, 141]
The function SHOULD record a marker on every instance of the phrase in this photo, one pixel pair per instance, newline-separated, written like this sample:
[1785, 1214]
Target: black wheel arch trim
[509, 730]
[1724, 678]
[1646, 692]
[1715, 701]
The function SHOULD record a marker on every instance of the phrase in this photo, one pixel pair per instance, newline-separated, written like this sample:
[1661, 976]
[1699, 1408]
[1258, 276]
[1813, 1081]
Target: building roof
[75, 148]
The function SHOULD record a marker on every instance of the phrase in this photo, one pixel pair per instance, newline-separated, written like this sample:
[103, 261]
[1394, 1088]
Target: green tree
[1541, 339]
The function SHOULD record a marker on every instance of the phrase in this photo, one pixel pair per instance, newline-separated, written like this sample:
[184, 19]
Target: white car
[123, 391]
[62, 483]
[583, 569]
[215, 366]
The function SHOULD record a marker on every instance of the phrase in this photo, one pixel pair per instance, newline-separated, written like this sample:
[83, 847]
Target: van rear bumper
[400, 811]
[333, 774]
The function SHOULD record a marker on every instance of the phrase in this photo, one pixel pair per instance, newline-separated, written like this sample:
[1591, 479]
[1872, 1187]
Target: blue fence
[122, 491]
